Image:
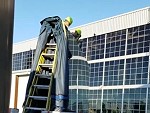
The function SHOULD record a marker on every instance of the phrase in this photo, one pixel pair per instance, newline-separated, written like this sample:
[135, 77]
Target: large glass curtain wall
[116, 59]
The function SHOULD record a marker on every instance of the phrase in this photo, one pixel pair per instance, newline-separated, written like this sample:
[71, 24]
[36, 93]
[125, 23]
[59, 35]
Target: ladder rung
[38, 97]
[46, 65]
[48, 55]
[44, 76]
[51, 44]
[41, 86]
[34, 108]
[51, 48]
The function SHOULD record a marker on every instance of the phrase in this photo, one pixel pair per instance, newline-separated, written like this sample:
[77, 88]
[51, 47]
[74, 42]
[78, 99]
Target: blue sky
[29, 13]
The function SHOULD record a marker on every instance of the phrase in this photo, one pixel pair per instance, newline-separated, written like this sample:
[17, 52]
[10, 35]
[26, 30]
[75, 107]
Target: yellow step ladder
[40, 98]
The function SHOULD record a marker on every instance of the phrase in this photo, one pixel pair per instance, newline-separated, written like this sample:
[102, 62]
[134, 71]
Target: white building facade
[118, 53]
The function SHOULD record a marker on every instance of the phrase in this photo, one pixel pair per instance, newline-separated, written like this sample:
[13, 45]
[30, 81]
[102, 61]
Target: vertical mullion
[124, 71]
[148, 82]
[103, 73]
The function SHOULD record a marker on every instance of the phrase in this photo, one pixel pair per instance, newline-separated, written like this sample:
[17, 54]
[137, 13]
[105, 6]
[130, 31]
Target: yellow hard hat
[78, 31]
[69, 19]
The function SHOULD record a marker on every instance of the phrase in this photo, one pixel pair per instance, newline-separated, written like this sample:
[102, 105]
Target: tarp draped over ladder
[48, 84]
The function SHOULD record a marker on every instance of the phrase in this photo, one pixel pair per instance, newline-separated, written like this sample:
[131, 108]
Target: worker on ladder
[62, 69]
